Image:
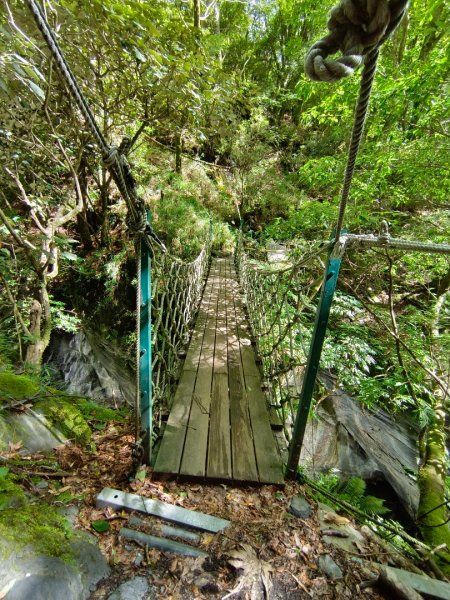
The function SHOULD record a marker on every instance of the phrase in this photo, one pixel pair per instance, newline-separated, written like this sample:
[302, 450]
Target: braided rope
[362, 104]
[357, 28]
[113, 157]
[66, 72]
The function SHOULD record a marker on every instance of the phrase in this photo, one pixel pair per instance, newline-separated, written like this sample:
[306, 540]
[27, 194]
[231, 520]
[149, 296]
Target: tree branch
[405, 346]
[395, 329]
[63, 219]
[26, 201]
[23, 243]
[13, 302]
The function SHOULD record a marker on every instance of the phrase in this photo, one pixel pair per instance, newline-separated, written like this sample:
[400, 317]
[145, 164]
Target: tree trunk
[82, 224]
[104, 200]
[40, 327]
[432, 505]
[178, 150]
[402, 39]
[196, 14]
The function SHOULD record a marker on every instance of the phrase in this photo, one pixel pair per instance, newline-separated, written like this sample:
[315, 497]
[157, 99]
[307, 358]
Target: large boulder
[37, 418]
[41, 556]
[26, 573]
[91, 367]
[359, 442]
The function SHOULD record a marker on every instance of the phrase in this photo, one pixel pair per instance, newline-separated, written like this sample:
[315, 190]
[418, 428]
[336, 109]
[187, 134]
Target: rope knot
[356, 27]
[137, 220]
[111, 157]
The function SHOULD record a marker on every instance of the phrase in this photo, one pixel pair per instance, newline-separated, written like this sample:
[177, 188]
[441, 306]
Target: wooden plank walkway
[218, 428]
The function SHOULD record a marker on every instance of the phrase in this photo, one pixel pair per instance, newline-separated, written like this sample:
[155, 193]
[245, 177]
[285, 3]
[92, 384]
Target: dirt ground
[266, 552]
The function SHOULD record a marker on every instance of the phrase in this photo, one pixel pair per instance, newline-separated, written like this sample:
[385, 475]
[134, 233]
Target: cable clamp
[384, 236]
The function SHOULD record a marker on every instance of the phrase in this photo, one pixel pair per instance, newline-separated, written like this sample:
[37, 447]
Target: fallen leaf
[13, 447]
[256, 573]
[101, 526]
[336, 519]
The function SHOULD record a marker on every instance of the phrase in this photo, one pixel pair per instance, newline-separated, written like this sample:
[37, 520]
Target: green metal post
[145, 353]
[315, 351]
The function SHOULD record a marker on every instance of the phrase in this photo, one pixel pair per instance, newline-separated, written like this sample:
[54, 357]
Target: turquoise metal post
[312, 366]
[145, 353]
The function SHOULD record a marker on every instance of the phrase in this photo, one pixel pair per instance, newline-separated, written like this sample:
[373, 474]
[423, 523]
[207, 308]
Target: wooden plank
[193, 354]
[220, 350]
[276, 424]
[267, 457]
[194, 454]
[219, 443]
[193, 462]
[243, 452]
[176, 514]
[171, 449]
[161, 543]
[249, 359]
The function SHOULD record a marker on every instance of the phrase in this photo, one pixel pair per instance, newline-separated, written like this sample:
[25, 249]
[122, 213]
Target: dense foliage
[225, 124]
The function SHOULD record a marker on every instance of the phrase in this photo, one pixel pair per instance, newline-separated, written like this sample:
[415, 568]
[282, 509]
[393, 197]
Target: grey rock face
[43, 587]
[91, 367]
[33, 430]
[26, 576]
[300, 507]
[134, 589]
[329, 567]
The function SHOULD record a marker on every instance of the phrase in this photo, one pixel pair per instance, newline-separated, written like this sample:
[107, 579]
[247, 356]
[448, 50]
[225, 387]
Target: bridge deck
[218, 427]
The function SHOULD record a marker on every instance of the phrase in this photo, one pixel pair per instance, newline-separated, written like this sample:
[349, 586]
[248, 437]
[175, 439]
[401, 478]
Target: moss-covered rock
[11, 495]
[16, 387]
[42, 556]
[38, 525]
[3, 434]
[66, 417]
[66, 414]
[94, 412]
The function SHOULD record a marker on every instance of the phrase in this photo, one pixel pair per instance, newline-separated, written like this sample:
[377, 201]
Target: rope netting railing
[281, 303]
[177, 289]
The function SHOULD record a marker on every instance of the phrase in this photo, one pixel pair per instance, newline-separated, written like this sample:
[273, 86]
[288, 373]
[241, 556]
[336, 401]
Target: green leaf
[138, 54]
[3, 472]
[39, 92]
[101, 526]
[70, 256]
[3, 85]
[141, 474]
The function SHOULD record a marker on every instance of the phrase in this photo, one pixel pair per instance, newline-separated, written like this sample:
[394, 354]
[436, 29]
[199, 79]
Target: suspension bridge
[218, 425]
[206, 376]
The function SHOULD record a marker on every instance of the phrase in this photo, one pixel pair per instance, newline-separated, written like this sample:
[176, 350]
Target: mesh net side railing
[280, 305]
[177, 289]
